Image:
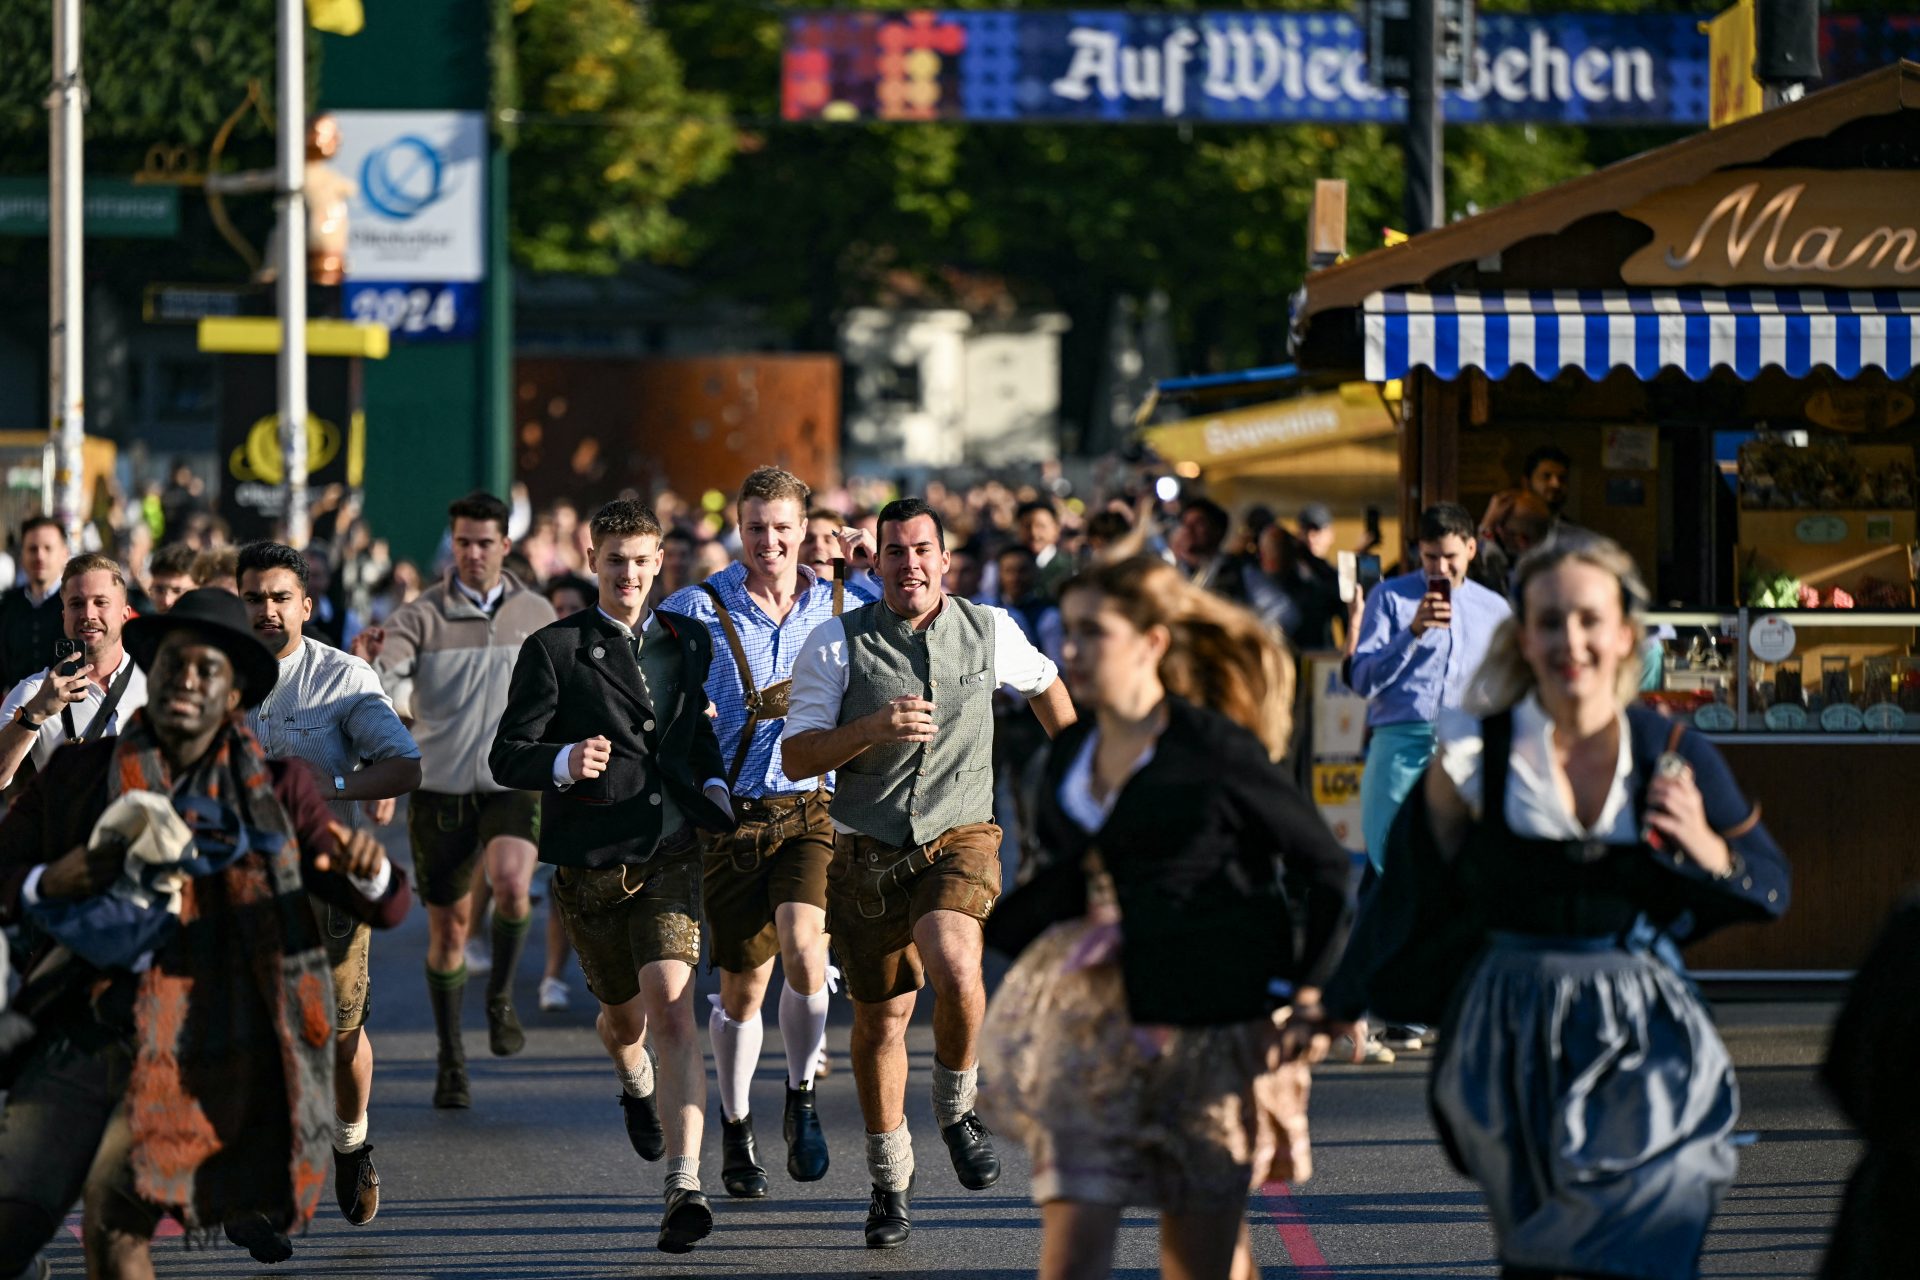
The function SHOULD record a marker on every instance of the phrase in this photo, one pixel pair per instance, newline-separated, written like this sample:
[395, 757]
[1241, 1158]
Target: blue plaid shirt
[771, 648]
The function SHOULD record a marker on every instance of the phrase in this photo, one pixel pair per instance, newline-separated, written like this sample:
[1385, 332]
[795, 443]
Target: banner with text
[1108, 66]
[1227, 67]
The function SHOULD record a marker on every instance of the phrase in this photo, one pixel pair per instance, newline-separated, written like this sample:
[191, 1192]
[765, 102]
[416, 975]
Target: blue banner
[1097, 65]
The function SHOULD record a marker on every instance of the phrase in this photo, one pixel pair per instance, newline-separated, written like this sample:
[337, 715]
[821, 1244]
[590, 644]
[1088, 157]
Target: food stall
[1723, 336]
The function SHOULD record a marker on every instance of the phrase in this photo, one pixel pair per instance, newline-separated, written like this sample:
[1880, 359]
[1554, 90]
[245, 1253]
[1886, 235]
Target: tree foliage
[605, 136]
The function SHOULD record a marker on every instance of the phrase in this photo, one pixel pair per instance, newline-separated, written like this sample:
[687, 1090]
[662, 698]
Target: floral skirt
[1182, 1120]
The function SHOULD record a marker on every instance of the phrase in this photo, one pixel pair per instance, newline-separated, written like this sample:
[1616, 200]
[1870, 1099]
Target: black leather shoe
[252, 1232]
[740, 1170]
[643, 1126]
[357, 1184]
[450, 1089]
[970, 1143]
[504, 1035]
[806, 1145]
[689, 1218]
[888, 1225]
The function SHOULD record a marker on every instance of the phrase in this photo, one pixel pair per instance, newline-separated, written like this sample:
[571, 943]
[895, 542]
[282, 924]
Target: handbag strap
[752, 694]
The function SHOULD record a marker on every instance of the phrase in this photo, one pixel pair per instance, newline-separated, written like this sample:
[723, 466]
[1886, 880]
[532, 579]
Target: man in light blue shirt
[1422, 637]
[764, 885]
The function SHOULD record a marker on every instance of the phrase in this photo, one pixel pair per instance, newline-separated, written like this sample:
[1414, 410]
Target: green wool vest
[910, 793]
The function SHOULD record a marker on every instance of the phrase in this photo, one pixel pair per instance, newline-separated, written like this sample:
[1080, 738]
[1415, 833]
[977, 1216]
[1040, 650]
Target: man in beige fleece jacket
[446, 660]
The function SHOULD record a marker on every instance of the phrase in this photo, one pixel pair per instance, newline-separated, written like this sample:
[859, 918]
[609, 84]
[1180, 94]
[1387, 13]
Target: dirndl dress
[1182, 1120]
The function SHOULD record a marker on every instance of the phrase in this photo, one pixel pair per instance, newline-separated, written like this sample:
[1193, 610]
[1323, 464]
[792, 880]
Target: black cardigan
[1200, 845]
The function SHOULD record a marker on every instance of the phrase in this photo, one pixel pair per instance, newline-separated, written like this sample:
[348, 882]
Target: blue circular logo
[401, 178]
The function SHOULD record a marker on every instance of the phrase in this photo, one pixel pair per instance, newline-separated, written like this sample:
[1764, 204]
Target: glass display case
[1834, 674]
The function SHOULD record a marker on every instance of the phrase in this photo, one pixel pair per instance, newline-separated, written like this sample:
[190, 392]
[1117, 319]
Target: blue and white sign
[418, 213]
[431, 312]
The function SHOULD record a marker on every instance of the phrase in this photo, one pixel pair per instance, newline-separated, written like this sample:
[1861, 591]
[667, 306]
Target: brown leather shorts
[622, 919]
[877, 893]
[779, 854]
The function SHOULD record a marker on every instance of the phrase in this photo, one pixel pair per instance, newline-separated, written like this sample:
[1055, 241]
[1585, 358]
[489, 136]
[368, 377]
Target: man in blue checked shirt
[765, 885]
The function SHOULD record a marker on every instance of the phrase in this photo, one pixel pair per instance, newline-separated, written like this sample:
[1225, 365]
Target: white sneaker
[1402, 1039]
[479, 958]
[554, 995]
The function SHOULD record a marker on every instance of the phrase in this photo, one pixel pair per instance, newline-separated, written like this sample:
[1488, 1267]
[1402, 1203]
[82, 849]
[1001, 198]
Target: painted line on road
[1296, 1236]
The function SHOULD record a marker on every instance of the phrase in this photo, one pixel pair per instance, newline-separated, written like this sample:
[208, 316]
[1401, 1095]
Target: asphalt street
[537, 1180]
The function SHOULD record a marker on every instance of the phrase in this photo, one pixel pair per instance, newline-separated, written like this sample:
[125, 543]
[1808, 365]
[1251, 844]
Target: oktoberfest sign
[1092, 65]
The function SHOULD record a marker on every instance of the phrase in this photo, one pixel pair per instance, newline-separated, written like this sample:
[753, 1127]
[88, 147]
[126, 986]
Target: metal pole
[291, 281]
[1426, 178]
[67, 330]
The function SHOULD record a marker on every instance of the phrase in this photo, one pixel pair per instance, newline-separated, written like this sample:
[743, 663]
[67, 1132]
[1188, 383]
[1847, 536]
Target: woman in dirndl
[1580, 1080]
[1138, 1046]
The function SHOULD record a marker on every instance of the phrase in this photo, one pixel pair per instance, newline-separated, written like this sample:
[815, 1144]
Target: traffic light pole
[291, 281]
[1426, 177]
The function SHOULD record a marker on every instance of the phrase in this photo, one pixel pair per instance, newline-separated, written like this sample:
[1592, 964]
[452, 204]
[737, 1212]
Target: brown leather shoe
[357, 1184]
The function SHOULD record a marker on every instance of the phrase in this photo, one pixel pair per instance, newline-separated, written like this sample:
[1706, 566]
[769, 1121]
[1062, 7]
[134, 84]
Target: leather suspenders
[771, 702]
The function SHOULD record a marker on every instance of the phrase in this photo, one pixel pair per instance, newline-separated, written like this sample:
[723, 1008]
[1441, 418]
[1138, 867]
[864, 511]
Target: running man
[898, 697]
[765, 883]
[446, 660]
[607, 723]
[327, 709]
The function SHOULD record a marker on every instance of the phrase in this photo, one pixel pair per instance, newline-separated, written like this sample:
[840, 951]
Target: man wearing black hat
[194, 1086]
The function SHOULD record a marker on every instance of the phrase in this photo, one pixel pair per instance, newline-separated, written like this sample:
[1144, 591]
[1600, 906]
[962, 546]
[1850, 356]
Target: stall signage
[1820, 530]
[1842, 717]
[1786, 717]
[1858, 409]
[1771, 639]
[1834, 227]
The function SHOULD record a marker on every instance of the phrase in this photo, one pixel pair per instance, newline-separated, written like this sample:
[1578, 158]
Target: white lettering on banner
[1240, 62]
[1224, 438]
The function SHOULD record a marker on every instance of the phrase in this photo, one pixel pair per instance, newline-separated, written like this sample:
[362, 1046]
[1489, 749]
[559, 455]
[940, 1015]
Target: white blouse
[1076, 788]
[1536, 808]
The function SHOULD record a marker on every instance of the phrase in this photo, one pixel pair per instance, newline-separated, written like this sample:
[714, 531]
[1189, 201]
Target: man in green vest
[898, 698]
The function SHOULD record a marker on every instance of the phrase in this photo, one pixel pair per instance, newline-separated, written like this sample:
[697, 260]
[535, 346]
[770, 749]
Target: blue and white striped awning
[1646, 330]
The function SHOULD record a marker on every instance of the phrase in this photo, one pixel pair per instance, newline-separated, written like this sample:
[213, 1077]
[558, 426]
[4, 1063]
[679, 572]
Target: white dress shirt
[1536, 808]
[53, 730]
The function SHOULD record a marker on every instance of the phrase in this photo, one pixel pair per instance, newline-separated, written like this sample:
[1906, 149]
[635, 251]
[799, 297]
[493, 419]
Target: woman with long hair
[1579, 1080]
[1136, 1046]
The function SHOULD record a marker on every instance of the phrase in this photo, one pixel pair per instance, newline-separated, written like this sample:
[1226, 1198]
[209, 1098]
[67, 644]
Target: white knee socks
[803, 1028]
[736, 1055]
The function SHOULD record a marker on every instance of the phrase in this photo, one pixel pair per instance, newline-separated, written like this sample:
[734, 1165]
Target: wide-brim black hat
[220, 619]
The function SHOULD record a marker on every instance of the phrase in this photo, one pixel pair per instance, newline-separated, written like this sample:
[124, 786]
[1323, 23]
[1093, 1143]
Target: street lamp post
[291, 279]
[66, 321]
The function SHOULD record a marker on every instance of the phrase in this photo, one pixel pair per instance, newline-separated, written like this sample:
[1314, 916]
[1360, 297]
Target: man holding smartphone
[1422, 637]
[90, 687]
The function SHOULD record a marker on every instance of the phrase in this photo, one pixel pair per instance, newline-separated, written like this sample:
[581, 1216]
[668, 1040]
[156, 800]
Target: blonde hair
[1221, 656]
[1505, 676]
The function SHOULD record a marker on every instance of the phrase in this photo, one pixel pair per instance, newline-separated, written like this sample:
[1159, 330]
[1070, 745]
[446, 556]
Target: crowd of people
[795, 727]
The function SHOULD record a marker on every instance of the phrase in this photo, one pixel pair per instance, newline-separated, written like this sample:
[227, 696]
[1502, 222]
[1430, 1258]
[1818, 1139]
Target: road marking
[1295, 1235]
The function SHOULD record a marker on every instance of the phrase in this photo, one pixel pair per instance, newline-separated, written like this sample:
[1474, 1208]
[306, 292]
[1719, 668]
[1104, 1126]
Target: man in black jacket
[30, 612]
[607, 718]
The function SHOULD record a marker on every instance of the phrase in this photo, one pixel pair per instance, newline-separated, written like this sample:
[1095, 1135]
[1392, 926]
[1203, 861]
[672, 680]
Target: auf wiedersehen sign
[1834, 227]
[1242, 67]
[114, 207]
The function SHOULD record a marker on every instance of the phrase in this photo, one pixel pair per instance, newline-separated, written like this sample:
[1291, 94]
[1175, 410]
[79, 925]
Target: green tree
[604, 136]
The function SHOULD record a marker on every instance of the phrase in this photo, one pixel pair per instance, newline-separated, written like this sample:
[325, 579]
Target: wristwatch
[21, 718]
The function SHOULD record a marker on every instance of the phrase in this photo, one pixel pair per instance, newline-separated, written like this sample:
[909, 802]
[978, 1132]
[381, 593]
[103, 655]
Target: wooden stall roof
[1346, 285]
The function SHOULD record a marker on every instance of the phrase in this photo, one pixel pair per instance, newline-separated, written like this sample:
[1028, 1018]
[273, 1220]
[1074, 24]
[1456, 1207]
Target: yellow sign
[1336, 784]
[1734, 93]
[1284, 426]
[260, 459]
[1831, 227]
[1857, 409]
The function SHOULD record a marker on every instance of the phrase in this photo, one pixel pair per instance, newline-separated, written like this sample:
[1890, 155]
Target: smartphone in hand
[66, 656]
[1439, 584]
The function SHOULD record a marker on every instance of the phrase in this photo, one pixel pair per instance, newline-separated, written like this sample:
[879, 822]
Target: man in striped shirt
[765, 885]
